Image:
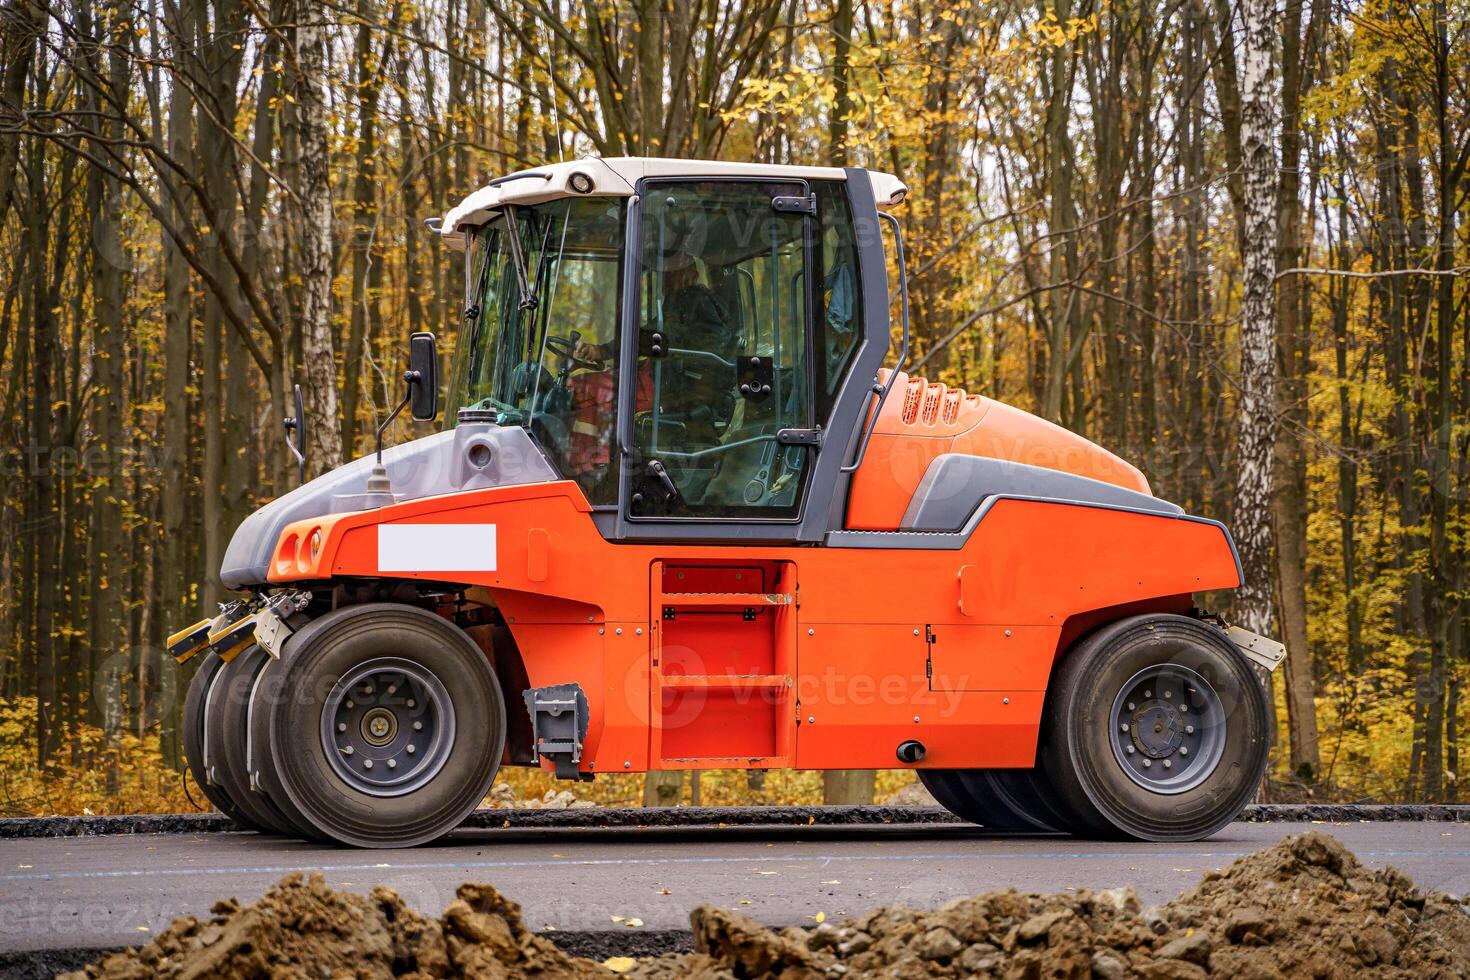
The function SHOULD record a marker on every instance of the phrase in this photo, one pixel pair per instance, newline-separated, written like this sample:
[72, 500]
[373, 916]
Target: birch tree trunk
[319, 367]
[1257, 409]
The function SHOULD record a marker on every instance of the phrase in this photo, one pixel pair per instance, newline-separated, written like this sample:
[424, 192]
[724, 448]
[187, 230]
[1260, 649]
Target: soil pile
[1304, 908]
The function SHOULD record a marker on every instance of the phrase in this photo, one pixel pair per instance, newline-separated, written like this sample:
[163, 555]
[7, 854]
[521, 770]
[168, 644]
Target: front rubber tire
[464, 706]
[1098, 678]
[228, 705]
[196, 755]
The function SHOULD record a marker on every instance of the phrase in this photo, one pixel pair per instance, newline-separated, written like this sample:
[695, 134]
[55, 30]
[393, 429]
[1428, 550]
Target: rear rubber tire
[1086, 763]
[227, 708]
[992, 798]
[195, 753]
[462, 709]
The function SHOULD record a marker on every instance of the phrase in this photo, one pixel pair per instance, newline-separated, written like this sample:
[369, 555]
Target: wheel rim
[1167, 728]
[387, 726]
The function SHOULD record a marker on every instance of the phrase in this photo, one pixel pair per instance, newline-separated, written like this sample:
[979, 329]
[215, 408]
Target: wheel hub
[387, 726]
[1168, 728]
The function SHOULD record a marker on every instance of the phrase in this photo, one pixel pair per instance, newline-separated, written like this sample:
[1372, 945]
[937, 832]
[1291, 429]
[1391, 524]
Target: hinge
[929, 636]
[800, 437]
[795, 205]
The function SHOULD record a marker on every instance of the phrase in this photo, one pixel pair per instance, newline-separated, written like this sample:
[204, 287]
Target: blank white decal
[436, 547]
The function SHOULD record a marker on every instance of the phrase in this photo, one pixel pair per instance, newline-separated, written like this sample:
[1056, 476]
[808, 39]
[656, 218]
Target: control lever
[661, 474]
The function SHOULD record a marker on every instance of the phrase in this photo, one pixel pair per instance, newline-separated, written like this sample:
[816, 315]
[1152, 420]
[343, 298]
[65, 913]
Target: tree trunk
[319, 363]
[1257, 408]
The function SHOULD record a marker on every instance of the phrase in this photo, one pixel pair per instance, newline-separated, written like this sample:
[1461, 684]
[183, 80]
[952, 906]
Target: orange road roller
[689, 512]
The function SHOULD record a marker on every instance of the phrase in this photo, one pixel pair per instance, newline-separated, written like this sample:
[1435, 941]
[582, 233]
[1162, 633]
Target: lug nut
[1189, 729]
[350, 704]
[1168, 694]
[1129, 750]
[1147, 763]
[410, 702]
[347, 750]
[1184, 750]
[1168, 764]
[392, 688]
[392, 763]
[411, 750]
[418, 726]
[1124, 726]
[1130, 706]
[367, 763]
[1148, 694]
[341, 726]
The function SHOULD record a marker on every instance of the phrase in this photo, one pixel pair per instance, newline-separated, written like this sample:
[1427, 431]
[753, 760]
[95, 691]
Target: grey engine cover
[442, 463]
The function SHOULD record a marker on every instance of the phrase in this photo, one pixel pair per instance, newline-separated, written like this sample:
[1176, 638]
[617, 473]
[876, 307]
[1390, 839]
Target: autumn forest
[1229, 241]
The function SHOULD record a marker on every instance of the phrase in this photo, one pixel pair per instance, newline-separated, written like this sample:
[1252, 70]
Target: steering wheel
[565, 347]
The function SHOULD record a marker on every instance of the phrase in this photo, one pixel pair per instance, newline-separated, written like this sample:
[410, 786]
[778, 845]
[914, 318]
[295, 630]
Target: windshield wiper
[523, 281]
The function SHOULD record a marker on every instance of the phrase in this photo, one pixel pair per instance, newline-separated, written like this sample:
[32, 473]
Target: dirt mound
[1304, 908]
[302, 928]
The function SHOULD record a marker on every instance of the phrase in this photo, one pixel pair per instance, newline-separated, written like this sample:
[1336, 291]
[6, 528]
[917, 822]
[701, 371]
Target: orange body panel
[921, 421]
[697, 656]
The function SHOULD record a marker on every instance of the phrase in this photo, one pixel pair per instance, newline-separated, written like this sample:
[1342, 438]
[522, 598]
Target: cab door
[722, 402]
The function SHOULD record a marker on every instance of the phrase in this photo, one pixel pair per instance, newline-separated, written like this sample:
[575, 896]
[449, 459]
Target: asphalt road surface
[69, 893]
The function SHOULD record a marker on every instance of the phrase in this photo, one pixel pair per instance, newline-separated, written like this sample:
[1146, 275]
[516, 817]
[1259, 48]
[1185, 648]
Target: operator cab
[676, 335]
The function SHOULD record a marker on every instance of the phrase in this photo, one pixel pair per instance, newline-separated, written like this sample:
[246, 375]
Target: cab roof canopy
[617, 176]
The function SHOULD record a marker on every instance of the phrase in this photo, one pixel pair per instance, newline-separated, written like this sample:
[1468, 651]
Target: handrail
[903, 351]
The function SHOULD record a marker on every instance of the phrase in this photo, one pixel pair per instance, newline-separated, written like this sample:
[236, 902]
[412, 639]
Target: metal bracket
[1264, 652]
[271, 626]
[559, 718]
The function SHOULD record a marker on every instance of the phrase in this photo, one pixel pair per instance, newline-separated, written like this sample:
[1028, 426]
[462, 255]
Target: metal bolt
[392, 763]
[367, 763]
[627, 765]
[392, 688]
[639, 631]
[1005, 700]
[1168, 764]
[418, 726]
[350, 704]
[411, 750]
[601, 631]
[1147, 763]
[619, 631]
[916, 719]
[1124, 726]
[1168, 694]
[341, 726]
[811, 719]
[1184, 707]
[1130, 706]
[811, 632]
[590, 618]
[916, 632]
[1008, 632]
[1148, 694]
[1129, 750]
[1189, 729]
[347, 750]
[410, 703]
[367, 689]
[1184, 750]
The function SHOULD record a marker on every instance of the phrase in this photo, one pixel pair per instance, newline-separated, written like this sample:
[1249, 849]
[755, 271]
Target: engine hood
[473, 456]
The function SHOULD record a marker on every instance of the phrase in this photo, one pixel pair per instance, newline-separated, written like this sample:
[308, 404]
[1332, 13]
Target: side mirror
[423, 361]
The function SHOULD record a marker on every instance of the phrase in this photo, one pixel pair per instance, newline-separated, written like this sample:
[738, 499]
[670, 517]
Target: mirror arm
[410, 378]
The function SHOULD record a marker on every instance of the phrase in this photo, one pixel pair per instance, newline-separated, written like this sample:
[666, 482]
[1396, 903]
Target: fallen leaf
[664, 891]
[765, 872]
[833, 881]
[634, 923]
[820, 917]
[616, 918]
[620, 964]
